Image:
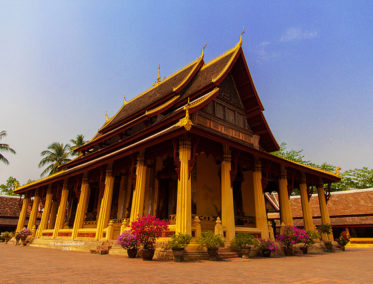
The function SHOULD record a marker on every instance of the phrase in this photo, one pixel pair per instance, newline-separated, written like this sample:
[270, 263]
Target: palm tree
[77, 142]
[56, 155]
[5, 148]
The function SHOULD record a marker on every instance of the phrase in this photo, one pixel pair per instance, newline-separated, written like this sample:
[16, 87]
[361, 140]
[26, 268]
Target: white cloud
[264, 54]
[294, 33]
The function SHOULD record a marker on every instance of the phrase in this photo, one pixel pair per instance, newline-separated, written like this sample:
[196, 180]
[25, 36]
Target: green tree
[56, 155]
[358, 178]
[77, 142]
[294, 155]
[297, 156]
[8, 187]
[4, 148]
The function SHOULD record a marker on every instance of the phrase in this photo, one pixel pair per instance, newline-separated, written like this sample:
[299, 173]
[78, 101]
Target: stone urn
[147, 254]
[178, 254]
[213, 253]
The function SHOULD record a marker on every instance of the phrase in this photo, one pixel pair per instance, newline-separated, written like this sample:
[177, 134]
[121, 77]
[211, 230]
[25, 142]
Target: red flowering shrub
[291, 236]
[147, 229]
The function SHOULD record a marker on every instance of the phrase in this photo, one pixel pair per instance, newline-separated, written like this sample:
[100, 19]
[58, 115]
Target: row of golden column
[184, 203]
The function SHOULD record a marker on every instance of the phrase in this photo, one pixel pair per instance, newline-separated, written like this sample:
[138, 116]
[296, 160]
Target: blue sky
[63, 64]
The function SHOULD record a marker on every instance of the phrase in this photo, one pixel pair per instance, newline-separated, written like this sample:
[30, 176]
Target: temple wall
[248, 194]
[207, 187]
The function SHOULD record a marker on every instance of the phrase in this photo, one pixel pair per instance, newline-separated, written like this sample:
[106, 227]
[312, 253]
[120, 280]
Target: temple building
[194, 149]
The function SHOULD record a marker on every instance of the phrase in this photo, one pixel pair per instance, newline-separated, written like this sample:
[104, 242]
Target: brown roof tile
[152, 95]
[353, 202]
[10, 206]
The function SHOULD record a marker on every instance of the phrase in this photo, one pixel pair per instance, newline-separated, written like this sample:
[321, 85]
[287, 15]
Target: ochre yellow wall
[248, 194]
[207, 187]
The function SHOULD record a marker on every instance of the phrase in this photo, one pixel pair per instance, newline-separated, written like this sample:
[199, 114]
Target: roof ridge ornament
[239, 44]
[185, 121]
[106, 117]
[203, 50]
[159, 79]
[338, 171]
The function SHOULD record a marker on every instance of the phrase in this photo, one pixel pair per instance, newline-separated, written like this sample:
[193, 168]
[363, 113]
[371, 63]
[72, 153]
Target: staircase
[227, 253]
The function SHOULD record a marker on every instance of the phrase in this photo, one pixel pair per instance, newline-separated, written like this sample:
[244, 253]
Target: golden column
[82, 206]
[184, 190]
[34, 212]
[285, 210]
[227, 204]
[53, 215]
[22, 215]
[307, 214]
[46, 212]
[105, 208]
[139, 192]
[325, 219]
[121, 196]
[60, 219]
[260, 209]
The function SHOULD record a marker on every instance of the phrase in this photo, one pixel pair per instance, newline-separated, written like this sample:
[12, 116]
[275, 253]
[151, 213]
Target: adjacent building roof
[10, 206]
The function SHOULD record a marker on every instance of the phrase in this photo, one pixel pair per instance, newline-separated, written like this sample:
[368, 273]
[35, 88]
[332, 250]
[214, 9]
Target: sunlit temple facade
[194, 149]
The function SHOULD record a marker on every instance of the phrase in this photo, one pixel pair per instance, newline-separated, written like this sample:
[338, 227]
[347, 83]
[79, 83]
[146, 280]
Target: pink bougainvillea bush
[147, 229]
[128, 240]
[291, 236]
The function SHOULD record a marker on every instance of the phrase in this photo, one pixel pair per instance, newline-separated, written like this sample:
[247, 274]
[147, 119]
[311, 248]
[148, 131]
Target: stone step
[226, 253]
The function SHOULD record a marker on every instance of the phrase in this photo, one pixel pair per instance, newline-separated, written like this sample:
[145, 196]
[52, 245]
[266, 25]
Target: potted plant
[327, 229]
[178, 243]
[308, 239]
[291, 236]
[343, 240]
[242, 243]
[23, 234]
[266, 247]
[130, 242]
[212, 242]
[147, 229]
[6, 236]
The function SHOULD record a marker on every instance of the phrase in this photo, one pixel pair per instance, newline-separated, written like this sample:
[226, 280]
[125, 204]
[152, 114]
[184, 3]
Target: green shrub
[325, 228]
[210, 240]
[243, 240]
[179, 240]
[343, 239]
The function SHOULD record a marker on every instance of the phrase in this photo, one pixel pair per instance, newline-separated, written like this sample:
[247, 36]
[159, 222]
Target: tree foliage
[8, 187]
[77, 142]
[4, 148]
[56, 155]
[350, 179]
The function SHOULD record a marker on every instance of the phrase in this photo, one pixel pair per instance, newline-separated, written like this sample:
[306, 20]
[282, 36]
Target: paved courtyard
[41, 265]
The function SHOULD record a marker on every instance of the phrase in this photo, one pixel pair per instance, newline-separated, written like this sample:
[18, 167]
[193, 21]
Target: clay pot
[288, 251]
[266, 252]
[132, 253]
[147, 254]
[178, 254]
[213, 253]
[304, 250]
[245, 252]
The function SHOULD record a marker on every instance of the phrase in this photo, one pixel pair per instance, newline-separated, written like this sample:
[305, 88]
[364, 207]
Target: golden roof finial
[159, 74]
[106, 117]
[240, 42]
[185, 121]
[125, 100]
[337, 171]
[203, 50]
[16, 184]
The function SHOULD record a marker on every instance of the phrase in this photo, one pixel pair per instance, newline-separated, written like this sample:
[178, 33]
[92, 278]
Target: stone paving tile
[41, 265]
